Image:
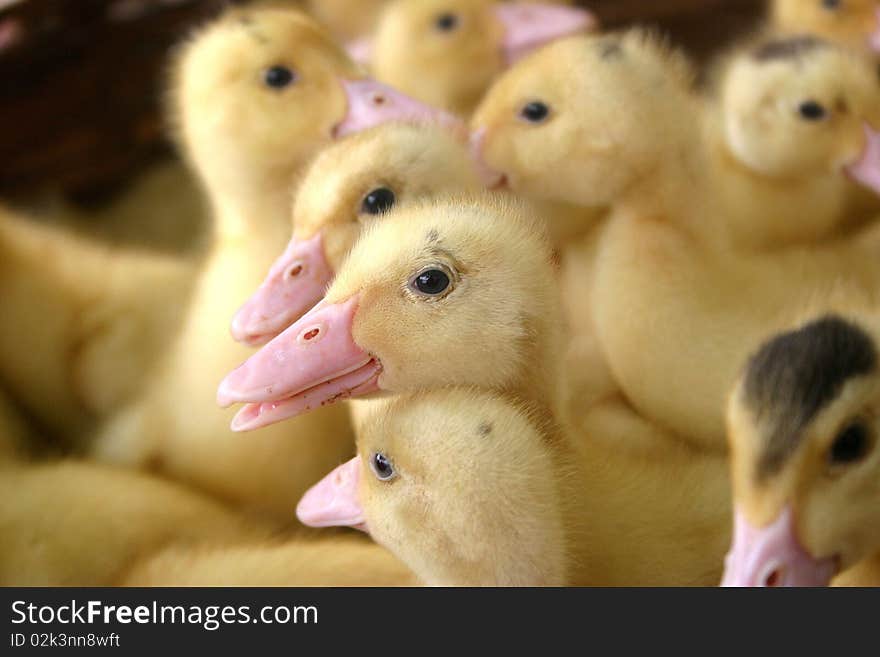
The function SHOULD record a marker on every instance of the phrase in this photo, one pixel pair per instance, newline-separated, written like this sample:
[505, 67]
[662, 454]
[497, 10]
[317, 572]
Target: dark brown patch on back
[795, 375]
[787, 48]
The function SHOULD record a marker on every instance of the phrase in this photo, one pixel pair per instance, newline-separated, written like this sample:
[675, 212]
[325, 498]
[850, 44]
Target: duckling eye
[831, 5]
[446, 22]
[378, 201]
[534, 112]
[431, 282]
[278, 77]
[381, 466]
[812, 111]
[851, 445]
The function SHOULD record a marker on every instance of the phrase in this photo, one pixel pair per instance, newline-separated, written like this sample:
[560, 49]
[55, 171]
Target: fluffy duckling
[786, 133]
[460, 485]
[347, 187]
[803, 432]
[470, 279]
[83, 524]
[256, 94]
[668, 308]
[89, 321]
[620, 508]
[447, 52]
[855, 23]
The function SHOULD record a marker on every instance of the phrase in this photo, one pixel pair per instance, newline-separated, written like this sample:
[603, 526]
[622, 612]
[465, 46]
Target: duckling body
[854, 23]
[802, 427]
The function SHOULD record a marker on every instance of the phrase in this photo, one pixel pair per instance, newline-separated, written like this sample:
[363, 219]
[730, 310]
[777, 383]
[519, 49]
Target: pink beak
[313, 362]
[333, 501]
[372, 103]
[867, 170]
[772, 556]
[528, 27]
[490, 178]
[295, 283]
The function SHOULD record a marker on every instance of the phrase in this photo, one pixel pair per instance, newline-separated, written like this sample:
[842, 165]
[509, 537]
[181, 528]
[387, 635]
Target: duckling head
[446, 52]
[460, 485]
[258, 91]
[578, 120]
[855, 23]
[349, 185]
[451, 291]
[803, 425]
[800, 106]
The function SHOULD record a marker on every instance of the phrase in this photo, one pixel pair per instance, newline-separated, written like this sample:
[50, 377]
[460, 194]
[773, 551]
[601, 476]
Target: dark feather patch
[484, 429]
[795, 375]
[787, 48]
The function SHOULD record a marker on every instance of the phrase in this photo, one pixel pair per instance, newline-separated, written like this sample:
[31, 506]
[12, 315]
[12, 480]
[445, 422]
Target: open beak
[528, 27]
[333, 501]
[295, 283]
[372, 103]
[490, 178]
[773, 556]
[867, 170]
[312, 363]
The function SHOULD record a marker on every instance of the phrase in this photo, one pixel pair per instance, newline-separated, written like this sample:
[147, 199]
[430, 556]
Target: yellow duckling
[855, 23]
[348, 186]
[803, 435]
[673, 315]
[787, 127]
[256, 93]
[470, 489]
[447, 52]
[83, 524]
[472, 274]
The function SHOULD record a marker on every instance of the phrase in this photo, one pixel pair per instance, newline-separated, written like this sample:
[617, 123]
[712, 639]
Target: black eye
[378, 201]
[278, 77]
[431, 282]
[446, 22]
[851, 444]
[831, 5]
[812, 111]
[534, 112]
[381, 466]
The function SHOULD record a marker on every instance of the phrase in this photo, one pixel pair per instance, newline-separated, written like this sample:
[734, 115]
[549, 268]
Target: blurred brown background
[81, 86]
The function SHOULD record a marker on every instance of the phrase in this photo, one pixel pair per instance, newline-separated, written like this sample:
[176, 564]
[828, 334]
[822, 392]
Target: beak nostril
[378, 99]
[295, 270]
[310, 335]
[773, 578]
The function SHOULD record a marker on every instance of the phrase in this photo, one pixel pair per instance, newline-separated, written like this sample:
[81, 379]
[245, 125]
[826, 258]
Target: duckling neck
[255, 210]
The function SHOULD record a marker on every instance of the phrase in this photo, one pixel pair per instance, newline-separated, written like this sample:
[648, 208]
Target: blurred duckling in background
[855, 23]
[86, 321]
[348, 186]
[447, 52]
[255, 95]
[803, 427]
[786, 134]
[83, 524]
[472, 274]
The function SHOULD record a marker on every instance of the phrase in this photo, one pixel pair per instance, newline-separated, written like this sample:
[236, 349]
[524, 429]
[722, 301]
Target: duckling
[349, 185]
[72, 523]
[855, 23]
[464, 497]
[86, 321]
[787, 129]
[468, 278]
[802, 422]
[673, 313]
[446, 52]
[527, 508]
[256, 93]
